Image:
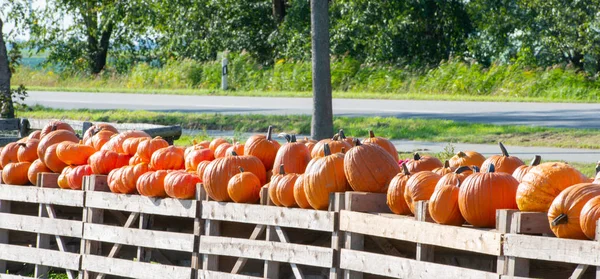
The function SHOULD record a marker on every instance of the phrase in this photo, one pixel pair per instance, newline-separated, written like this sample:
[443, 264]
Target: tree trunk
[278, 10]
[322, 118]
[7, 110]
[99, 49]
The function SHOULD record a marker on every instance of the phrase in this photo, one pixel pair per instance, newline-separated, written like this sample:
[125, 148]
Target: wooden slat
[268, 215]
[141, 204]
[532, 223]
[136, 237]
[127, 268]
[9, 124]
[404, 268]
[408, 229]
[266, 250]
[11, 276]
[47, 180]
[39, 256]
[42, 225]
[366, 202]
[207, 274]
[552, 249]
[34, 194]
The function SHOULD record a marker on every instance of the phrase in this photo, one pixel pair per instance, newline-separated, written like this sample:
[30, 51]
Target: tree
[7, 110]
[278, 10]
[322, 117]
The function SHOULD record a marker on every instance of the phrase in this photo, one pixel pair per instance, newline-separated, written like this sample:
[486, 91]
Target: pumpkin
[502, 163]
[194, 157]
[521, 171]
[395, 194]
[244, 187]
[130, 145]
[275, 178]
[136, 160]
[443, 205]
[481, 194]
[262, 147]
[96, 128]
[196, 145]
[310, 144]
[423, 163]
[565, 210]
[299, 193]
[466, 158]
[221, 150]
[384, 143]
[590, 214]
[217, 173]
[151, 184]
[285, 189]
[16, 173]
[35, 134]
[51, 159]
[349, 140]
[62, 181]
[168, 158]
[54, 138]
[129, 176]
[419, 187]
[104, 161]
[540, 186]
[294, 156]
[369, 168]
[326, 175]
[75, 176]
[445, 169]
[99, 139]
[74, 154]
[9, 154]
[335, 146]
[236, 147]
[147, 148]
[181, 185]
[36, 167]
[54, 126]
[114, 180]
[215, 143]
[457, 176]
[27, 151]
[201, 167]
[116, 142]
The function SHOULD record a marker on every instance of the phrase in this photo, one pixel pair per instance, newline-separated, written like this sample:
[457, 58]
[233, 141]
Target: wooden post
[271, 268]
[85, 126]
[24, 127]
[198, 228]
[322, 117]
[211, 228]
[42, 242]
[424, 252]
[92, 215]
[144, 254]
[4, 208]
[598, 239]
[336, 204]
[506, 222]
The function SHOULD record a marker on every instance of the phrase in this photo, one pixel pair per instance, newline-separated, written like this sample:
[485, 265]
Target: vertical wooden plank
[271, 269]
[424, 252]
[211, 228]
[92, 215]
[507, 221]
[42, 242]
[24, 127]
[85, 126]
[198, 226]
[4, 208]
[144, 254]
[336, 204]
[598, 239]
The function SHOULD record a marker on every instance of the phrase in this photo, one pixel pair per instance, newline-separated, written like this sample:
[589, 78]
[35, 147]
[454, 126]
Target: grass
[390, 127]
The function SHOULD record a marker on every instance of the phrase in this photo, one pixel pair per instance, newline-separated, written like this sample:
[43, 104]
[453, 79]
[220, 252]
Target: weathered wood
[10, 124]
[4, 208]
[532, 223]
[207, 274]
[11, 276]
[127, 268]
[366, 202]
[424, 252]
[62, 246]
[114, 250]
[508, 221]
[32, 194]
[384, 265]
[552, 249]
[47, 180]
[39, 256]
[210, 261]
[284, 239]
[198, 231]
[317, 220]
[271, 268]
[241, 262]
[267, 250]
[143, 254]
[173, 132]
[85, 126]
[42, 241]
[597, 238]
[99, 182]
[91, 216]
[337, 202]
[353, 241]
[408, 229]
[141, 204]
[579, 271]
[40, 225]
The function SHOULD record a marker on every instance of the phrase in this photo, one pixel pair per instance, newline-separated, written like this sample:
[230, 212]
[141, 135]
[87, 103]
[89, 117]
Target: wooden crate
[133, 228]
[45, 225]
[268, 235]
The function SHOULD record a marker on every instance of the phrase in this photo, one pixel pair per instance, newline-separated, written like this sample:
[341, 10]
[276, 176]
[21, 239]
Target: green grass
[390, 127]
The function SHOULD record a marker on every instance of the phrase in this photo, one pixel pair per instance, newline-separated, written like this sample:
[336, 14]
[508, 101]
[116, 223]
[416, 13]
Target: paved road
[542, 114]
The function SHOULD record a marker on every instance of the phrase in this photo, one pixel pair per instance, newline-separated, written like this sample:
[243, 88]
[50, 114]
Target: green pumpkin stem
[270, 133]
[536, 161]
[405, 169]
[241, 169]
[560, 219]
[281, 170]
[491, 168]
[462, 169]
[416, 157]
[371, 134]
[326, 150]
[504, 151]
[446, 164]
[341, 134]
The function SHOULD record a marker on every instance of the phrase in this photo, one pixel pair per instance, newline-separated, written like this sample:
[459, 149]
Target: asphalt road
[538, 114]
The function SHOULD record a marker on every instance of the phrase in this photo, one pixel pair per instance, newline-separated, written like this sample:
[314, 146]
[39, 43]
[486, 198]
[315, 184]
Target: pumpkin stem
[560, 219]
[270, 132]
[462, 169]
[233, 153]
[405, 169]
[598, 168]
[287, 137]
[491, 168]
[446, 164]
[476, 169]
[335, 137]
[371, 134]
[344, 150]
[341, 134]
[21, 144]
[461, 154]
[293, 138]
[504, 151]
[281, 170]
[416, 157]
[357, 142]
[241, 169]
[326, 150]
[536, 161]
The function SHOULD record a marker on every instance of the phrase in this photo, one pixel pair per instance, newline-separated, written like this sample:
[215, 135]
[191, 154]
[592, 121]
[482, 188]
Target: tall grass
[450, 78]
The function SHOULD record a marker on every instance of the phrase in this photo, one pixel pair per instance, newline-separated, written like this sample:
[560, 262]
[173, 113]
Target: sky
[35, 4]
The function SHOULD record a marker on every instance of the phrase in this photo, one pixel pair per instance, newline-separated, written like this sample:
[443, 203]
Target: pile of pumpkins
[468, 188]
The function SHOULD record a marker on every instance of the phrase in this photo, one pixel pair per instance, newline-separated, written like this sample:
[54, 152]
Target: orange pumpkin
[384, 143]
[395, 193]
[16, 173]
[196, 145]
[419, 187]
[194, 157]
[466, 158]
[445, 169]
[443, 205]
[129, 176]
[565, 210]
[104, 161]
[36, 167]
[168, 158]
[543, 183]
[181, 185]
[236, 147]
[294, 156]
[75, 176]
[285, 189]
[74, 154]
[521, 171]
[262, 147]
[9, 154]
[336, 145]
[98, 140]
[423, 163]
[28, 150]
[325, 175]
[299, 193]
[116, 142]
[221, 150]
[136, 160]
[130, 145]
[52, 161]
[590, 214]
[502, 163]
[457, 176]
[481, 194]
[369, 168]
[54, 138]
[62, 181]
[275, 178]
[349, 140]
[147, 148]
[114, 180]
[54, 126]
[244, 187]
[215, 143]
[217, 173]
[310, 144]
[35, 134]
[201, 167]
[151, 184]
[95, 129]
